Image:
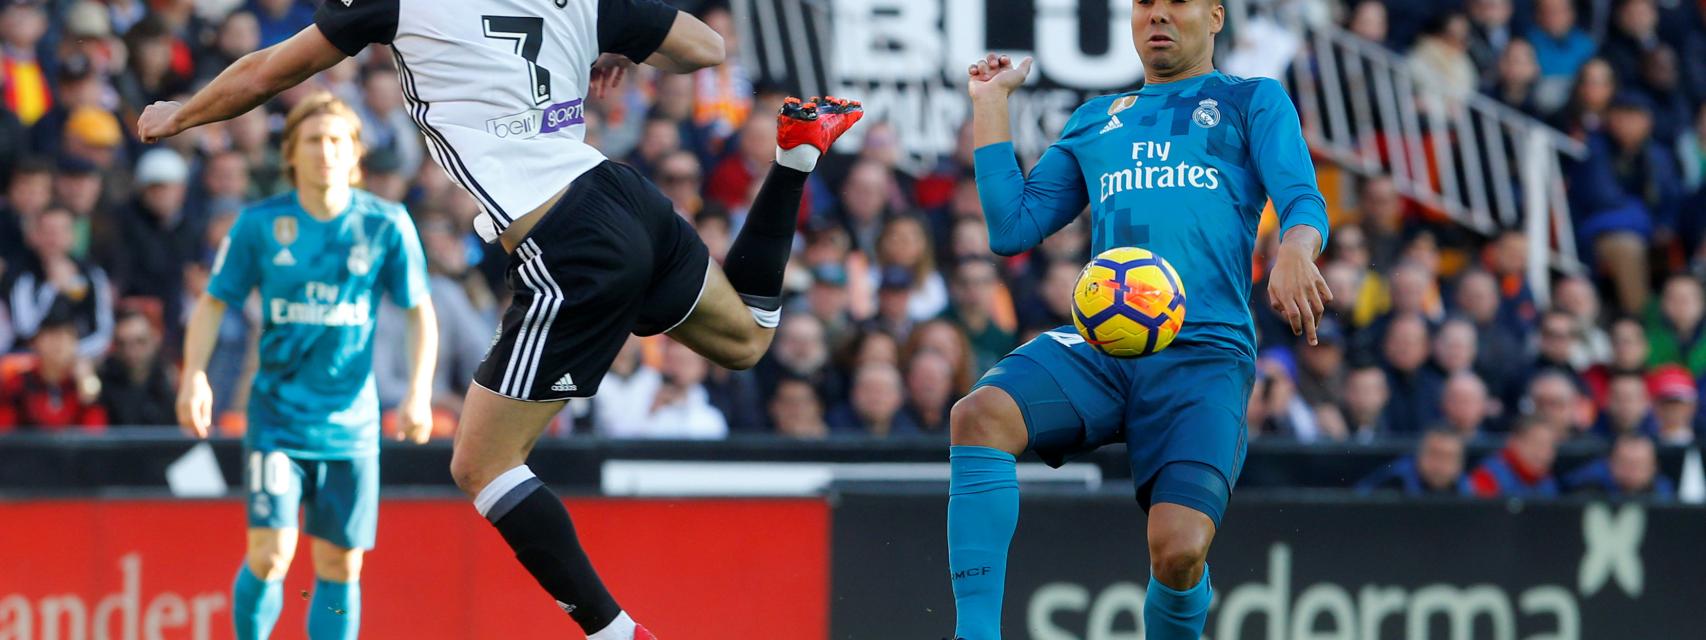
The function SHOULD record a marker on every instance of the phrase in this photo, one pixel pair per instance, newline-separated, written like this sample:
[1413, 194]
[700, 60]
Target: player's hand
[607, 74]
[997, 76]
[414, 420]
[195, 405]
[1296, 289]
[159, 120]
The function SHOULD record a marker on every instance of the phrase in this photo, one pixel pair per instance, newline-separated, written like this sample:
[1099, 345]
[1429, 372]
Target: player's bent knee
[988, 417]
[1178, 549]
[470, 474]
[336, 564]
[268, 562]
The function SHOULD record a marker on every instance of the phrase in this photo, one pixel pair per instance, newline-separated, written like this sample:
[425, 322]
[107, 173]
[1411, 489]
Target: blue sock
[1170, 614]
[335, 612]
[255, 604]
[983, 511]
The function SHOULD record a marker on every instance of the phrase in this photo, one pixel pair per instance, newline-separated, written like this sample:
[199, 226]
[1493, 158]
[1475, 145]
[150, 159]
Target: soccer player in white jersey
[320, 255]
[597, 252]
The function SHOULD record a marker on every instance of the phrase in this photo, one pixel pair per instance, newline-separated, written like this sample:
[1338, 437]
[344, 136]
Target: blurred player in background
[596, 251]
[322, 255]
[1182, 167]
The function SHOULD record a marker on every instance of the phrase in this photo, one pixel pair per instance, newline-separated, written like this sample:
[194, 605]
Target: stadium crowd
[898, 302]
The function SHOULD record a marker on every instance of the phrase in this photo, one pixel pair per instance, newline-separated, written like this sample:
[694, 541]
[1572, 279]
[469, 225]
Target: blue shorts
[340, 497]
[1180, 412]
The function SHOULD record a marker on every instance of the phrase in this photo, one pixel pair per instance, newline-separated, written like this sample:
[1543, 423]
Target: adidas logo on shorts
[567, 383]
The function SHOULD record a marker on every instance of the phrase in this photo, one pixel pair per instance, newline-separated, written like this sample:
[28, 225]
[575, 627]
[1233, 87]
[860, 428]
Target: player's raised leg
[257, 596]
[742, 302]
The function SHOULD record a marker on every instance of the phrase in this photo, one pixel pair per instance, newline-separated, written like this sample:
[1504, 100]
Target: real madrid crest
[1207, 114]
[284, 229]
[360, 260]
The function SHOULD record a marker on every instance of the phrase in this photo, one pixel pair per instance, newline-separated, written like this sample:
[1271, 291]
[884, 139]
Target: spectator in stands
[713, 226]
[464, 325]
[49, 277]
[27, 94]
[874, 406]
[872, 347]
[59, 391]
[1678, 400]
[929, 392]
[1628, 354]
[237, 36]
[1368, 20]
[1558, 341]
[947, 340]
[1634, 32]
[1675, 327]
[386, 126]
[1365, 403]
[80, 83]
[659, 138]
[153, 74]
[93, 135]
[224, 184]
[671, 401]
[1561, 46]
[1463, 405]
[1631, 470]
[80, 187]
[827, 300]
[864, 203]
[894, 294]
[731, 183]
[796, 411]
[1508, 258]
[1553, 400]
[1381, 211]
[1442, 55]
[1050, 302]
[1584, 113]
[1321, 367]
[1628, 408]
[1415, 389]
[1660, 79]
[1499, 345]
[157, 235]
[280, 19]
[1523, 469]
[1575, 295]
[1517, 82]
[29, 192]
[1490, 33]
[1454, 348]
[801, 351]
[136, 388]
[1435, 469]
[972, 311]
[905, 243]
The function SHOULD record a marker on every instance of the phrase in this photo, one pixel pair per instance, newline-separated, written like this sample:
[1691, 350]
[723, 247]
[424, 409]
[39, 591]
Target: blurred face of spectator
[1675, 415]
[276, 7]
[1365, 395]
[965, 203]
[1634, 463]
[1557, 17]
[1628, 403]
[381, 92]
[971, 240]
[891, 303]
[800, 346]
[164, 200]
[1351, 246]
[137, 342]
[826, 245]
[22, 25]
[882, 145]
[51, 236]
[1382, 209]
[1406, 347]
[675, 96]
[942, 338]
[325, 152]
[444, 249]
[1517, 65]
[876, 394]
[903, 243]
[828, 300]
[1557, 337]
[1478, 296]
[679, 178]
[1629, 348]
[1629, 127]
[1659, 68]
[29, 193]
[1490, 13]
[1682, 303]
[1369, 20]
[1555, 399]
[1464, 403]
[249, 131]
[1423, 250]
[1439, 461]
[714, 230]
[1070, 242]
[1576, 296]
[877, 348]
[239, 35]
[1455, 346]
[56, 350]
[1345, 280]
[758, 141]
[1596, 86]
[152, 59]
[1638, 19]
[974, 288]
[1456, 32]
[865, 191]
[796, 411]
[1510, 253]
[227, 174]
[1322, 360]
[659, 137]
[929, 382]
[1411, 284]
[79, 192]
[681, 365]
[1536, 447]
[1057, 287]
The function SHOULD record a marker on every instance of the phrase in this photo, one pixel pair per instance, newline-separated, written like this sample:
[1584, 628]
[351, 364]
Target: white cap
[161, 166]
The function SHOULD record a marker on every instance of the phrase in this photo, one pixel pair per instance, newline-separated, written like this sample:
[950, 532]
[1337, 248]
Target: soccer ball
[1128, 303]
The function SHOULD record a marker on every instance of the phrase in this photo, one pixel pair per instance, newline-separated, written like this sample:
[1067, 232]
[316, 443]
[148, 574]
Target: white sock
[800, 158]
[767, 318]
[622, 628]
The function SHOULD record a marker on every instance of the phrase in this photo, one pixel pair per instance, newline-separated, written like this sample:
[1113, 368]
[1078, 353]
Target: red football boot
[817, 121]
[640, 633]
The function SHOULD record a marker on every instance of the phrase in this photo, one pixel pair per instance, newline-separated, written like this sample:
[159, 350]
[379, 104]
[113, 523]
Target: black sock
[759, 255]
[537, 527]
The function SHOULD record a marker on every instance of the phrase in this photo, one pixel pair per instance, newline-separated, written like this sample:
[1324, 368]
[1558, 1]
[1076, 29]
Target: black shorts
[610, 259]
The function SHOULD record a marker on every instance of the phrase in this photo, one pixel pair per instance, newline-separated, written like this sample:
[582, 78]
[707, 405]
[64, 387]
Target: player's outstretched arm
[414, 420]
[195, 397]
[1019, 211]
[248, 82]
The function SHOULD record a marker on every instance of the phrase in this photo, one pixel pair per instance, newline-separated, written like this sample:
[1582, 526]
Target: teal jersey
[320, 285]
[1182, 169]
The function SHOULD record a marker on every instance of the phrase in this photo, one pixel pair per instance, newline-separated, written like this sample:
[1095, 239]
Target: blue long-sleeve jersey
[1183, 169]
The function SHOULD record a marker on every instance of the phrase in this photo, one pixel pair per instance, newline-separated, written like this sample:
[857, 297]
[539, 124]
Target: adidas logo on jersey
[1113, 123]
[284, 259]
[567, 383]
